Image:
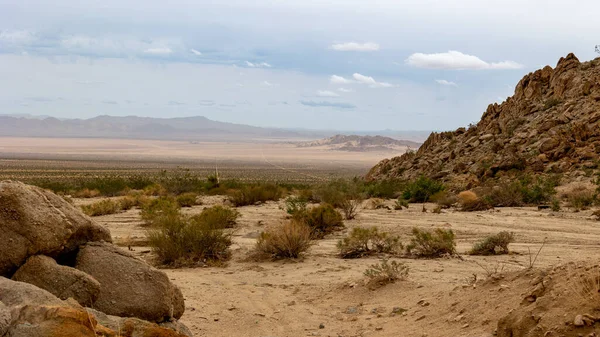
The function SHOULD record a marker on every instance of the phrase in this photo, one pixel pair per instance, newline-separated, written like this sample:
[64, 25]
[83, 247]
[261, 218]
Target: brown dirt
[294, 298]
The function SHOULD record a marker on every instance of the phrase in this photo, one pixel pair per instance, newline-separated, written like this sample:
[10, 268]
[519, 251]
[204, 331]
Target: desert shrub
[539, 190]
[435, 243]
[350, 207]
[422, 189]
[367, 241]
[494, 244]
[555, 206]
[180, 181]
[444, 199]
[384, 272]
[400, 203]
[385, 189]
[253, 194]
[504, 195]
[470, 202]
[295, 205]
[187, 199]
[286, 241]
[323, 220]
[347, 195]
[178, 240]
[581, 197]
[102, 207]
[156, 208]
[155, 190]
[86, 193]
[218, 216]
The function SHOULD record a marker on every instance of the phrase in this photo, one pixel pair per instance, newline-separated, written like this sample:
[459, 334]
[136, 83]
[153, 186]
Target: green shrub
[103, 207]
[323, 220]
[494, 244]
[218, 216]
[525, 190]
[386, 189]
[367, 241]
[422, 189]
[435, 243]
[254, 194]
[178, 241]
[295, 205]
[187, 199]
[286, 241]
[157, 208]
[384, 272]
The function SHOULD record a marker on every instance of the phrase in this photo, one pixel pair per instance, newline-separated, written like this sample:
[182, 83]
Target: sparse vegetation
[154, 209]
[384, 272]
[580, 197]
[323, 220]
[286, 241]
[256, 194]
[444, 199]
[494, 244]
[218, 216]
[187, 199]
[430, 244]
[470, 202]
[422, 189]
[295, 205]
[103, 207]
[367, 241]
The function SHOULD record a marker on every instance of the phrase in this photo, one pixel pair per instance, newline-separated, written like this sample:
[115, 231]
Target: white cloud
[339, 80]
[444, 82]
[370, 81]
[457, 61]
[345, 90]
[268, 84]
[258, 65]
[17, 36]
[195, 52]
[326, 93]
[355, 46]
[158, 51]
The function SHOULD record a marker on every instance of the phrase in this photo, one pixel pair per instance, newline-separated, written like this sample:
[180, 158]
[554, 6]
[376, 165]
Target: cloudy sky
[336, 64]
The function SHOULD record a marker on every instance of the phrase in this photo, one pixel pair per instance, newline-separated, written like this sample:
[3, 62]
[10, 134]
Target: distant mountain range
[358, 143]
[133, 127]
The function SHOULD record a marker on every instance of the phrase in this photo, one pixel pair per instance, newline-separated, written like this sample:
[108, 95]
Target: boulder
[5, 319]
[34, 221]
[128, 286]
[61, 281]
[130, 326]
[13, 293]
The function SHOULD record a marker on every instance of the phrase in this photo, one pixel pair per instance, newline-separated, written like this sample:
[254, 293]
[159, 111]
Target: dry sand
[323, 295]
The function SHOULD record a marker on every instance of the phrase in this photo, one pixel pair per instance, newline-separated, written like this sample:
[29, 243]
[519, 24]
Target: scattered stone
[321, 326]
[578, 321]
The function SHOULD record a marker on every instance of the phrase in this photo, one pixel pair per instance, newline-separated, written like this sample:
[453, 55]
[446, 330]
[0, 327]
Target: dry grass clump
[470, 202]
[350, 207]
[430, 244]
[323, 220]
[256, 194]
[187, 199]
[219, 216]
[178, 240]
[109, 206]
[580, 196]
[285, 241]
[367, 241]
[156, 208]
[86, 193]
[495, 244]
[383, 272]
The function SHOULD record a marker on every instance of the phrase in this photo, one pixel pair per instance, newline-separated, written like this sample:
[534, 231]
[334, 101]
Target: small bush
[323, 220]
[367, 241]
[178, 240]
[86, 193]
[188, 199]
[218, 216]
[350, 208]
[422, 189]
[384, 272]
[128, 202]
[295, 205]
[386, 189]
[400, 203]
[555, 207]
[470, 202]
[444, 199]
[255, 194]
[159, 207]
[155, 190]
[435, 243]
[103, 207]
[581, 198]
[494, 244]
[286, 241]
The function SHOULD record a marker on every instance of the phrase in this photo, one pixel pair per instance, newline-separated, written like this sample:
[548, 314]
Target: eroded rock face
[34, 221]
[555, 112]
[61, 281]
[129, 286]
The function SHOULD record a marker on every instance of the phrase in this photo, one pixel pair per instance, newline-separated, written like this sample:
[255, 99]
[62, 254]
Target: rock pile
[62, 264]
[550, 125]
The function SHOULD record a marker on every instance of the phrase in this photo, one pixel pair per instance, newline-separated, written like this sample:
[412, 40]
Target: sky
[337, 64]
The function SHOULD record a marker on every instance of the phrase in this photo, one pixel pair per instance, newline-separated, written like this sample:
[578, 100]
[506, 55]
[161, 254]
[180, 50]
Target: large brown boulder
[129, 286]
[62, 281]
[34, 221]
[28, 311]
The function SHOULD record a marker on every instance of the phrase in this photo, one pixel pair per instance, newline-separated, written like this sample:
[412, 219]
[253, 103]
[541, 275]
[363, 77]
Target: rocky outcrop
[28, 311]
[129, 286]
[61, 281]
[34, 221]
[550, 125]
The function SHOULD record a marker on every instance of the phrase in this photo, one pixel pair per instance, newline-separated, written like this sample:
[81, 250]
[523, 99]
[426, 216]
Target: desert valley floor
[323, 295]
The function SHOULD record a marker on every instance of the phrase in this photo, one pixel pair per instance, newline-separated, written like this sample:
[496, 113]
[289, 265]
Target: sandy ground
[323, 295]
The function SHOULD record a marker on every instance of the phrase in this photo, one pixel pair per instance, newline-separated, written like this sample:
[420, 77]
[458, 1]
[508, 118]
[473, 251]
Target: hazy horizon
[341, 65]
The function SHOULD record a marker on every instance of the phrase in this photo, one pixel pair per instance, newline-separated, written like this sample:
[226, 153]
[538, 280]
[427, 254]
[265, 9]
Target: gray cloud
[328, 104]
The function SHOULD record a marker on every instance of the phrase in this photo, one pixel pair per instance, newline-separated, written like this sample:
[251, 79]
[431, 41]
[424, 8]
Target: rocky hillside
[550, 125]
[361, 143]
